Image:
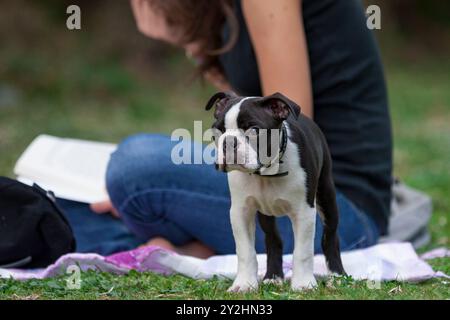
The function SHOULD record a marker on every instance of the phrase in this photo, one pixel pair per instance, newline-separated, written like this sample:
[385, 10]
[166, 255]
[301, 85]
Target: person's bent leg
[356, 229]
[158, 198]
[187, 202]
[99, 233]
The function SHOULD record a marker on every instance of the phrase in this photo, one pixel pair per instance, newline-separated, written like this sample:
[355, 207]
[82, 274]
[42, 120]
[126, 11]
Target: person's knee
[135, 160]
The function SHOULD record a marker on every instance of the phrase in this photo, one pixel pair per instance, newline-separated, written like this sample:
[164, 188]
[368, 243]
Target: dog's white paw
[303, 283]
[245, 285]
[276, 281]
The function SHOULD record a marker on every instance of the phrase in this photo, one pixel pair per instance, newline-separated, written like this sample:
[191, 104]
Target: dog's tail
[328, 210]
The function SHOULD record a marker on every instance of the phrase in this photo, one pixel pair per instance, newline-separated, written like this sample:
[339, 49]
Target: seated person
[317, 52]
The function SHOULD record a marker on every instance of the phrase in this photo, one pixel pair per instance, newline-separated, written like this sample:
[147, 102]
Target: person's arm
[278, 37]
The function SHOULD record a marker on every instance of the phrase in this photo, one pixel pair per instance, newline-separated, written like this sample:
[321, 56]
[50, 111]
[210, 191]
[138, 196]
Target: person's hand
[105, 207]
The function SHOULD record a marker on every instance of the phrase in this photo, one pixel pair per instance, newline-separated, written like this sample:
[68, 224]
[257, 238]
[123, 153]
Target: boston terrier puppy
[291, 177]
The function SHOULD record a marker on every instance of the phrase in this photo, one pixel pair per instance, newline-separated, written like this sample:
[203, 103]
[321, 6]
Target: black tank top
[350, 100]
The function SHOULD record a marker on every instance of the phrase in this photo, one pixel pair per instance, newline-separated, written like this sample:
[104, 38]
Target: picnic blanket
[383, 262]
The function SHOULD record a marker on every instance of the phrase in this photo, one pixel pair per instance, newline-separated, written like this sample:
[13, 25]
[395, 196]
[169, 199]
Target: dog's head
[247, 129]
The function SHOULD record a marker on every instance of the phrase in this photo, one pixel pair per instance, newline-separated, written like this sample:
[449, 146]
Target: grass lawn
[104, 100]
[151, 286]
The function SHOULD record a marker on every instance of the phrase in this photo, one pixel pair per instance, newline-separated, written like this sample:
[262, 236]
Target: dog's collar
[281, 151]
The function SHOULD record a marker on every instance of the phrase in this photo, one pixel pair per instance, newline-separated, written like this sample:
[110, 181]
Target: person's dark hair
[201, 21]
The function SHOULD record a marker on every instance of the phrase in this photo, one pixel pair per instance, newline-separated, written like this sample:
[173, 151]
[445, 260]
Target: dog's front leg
[243, 225]
[304, 225]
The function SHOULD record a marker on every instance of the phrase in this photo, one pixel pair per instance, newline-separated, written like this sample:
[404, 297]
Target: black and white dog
[295, 179]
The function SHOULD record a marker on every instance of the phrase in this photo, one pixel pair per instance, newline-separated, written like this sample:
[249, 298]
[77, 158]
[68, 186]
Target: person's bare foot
[160, 242]
[194, 248]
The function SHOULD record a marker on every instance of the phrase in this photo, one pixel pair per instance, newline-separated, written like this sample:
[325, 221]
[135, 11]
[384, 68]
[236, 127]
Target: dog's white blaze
[246, 156]
[232, 115]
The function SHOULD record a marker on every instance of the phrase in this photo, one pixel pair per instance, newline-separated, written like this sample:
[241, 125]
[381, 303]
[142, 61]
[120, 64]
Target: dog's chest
[270, 205]
[271, 196]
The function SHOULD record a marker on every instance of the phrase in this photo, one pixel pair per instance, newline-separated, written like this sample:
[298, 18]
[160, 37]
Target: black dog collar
[281, 151]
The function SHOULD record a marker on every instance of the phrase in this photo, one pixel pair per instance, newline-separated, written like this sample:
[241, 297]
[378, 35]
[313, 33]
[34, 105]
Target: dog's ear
[281, 106]
[219, 100]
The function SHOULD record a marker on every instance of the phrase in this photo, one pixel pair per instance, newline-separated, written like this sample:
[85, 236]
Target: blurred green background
[107, 81]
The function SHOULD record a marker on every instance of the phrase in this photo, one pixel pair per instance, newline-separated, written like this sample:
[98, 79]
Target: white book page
[73, 169]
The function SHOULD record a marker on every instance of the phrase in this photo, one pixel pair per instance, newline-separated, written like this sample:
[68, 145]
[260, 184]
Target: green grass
[134, 285]
[103, 100]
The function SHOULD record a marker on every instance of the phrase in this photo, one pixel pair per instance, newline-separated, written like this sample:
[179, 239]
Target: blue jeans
[182, 203]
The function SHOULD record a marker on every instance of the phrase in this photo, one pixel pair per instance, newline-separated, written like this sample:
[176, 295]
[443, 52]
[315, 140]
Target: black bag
[33, 230]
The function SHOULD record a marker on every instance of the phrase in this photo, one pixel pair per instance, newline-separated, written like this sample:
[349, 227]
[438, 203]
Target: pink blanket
[383, 262]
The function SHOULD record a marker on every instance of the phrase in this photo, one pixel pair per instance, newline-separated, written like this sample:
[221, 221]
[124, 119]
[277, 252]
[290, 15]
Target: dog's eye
[253, 131]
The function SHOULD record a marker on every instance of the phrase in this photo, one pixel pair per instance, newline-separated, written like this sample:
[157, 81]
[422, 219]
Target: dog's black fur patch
[315, 159]
[274, 247]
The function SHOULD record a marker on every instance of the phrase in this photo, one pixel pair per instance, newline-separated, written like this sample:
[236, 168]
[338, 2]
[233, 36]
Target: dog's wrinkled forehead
[235, 112]
[244, 113]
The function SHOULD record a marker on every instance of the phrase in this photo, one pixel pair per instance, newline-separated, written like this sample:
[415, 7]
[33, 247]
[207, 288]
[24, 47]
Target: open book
[73, 169]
